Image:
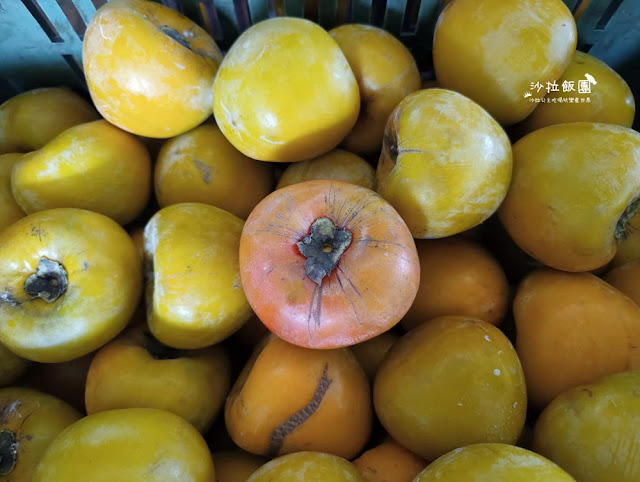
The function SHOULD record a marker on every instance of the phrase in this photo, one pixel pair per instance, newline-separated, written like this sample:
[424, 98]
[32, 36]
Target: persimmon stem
[49, 282]
[323, 248]
[8, 452]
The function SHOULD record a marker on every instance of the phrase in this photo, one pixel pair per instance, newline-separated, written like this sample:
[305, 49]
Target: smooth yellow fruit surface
[571, 185]
[458, 277]
[572, 328]
[338, 164]
[135, 369]
[202, 166]
[307, 467]
[371, 352]
[445, 164]
[285, 92]
[30, 421]
[149, 69]
[450, 382]
[12, 367]
[389, 462]
[194, 293]
[87, 268]
[592, 430]
[386, 73]
[493, 462]
[9, 209]
[31, 119]
[93, 166]
[611, 99]
[494, 51]
[322, 401]
[626, 278]
[127, 445]
[236, 465]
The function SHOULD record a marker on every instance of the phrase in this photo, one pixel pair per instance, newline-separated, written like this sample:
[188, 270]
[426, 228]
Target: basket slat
[394, 16]
[361, 11]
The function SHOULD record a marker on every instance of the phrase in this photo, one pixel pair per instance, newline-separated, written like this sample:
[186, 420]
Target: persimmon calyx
[49, 282]
[622, 227]
[8, 452]
[323, 248]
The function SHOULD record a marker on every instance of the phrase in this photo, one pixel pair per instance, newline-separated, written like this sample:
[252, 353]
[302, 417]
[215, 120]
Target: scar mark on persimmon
[277, 437]
[205, 169]
[350, 282]
[353, 307]
[286, 229]
[293, 202]
[315, 309]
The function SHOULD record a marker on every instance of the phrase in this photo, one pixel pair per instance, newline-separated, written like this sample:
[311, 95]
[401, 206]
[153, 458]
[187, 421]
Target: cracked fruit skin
[572, 328]
[445, 163]
[276, 102]
[493, 51]
[31, 119]
[307, 466]
[193, 289]
[34, 419]
[370, 288]
[493, 462]
[127, 445]
[451, 382]
[202, 166]
[386, 73]
[103, 289]
[336, 165]
[389, 462]
[611, 98]
[134, 371]
[141, 74]
[9, 209]
[93, 166]
[571, 185]
[322, 401]
[458, 277]
[592, 430]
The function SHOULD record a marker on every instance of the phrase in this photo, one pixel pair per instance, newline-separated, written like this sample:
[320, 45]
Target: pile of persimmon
[301, 261]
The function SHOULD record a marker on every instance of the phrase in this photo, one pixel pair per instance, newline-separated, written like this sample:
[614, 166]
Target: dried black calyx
[49, 282]
[323, 248]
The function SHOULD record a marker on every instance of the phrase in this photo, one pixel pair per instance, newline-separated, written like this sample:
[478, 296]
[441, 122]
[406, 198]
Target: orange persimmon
[327, 264]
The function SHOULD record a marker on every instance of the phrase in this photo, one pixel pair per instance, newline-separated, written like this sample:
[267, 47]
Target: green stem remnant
[622, 228]
[8, 452]
[323, 248]
[49, 282]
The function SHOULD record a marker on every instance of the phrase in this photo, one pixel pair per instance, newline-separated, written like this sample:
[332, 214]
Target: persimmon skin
[371, 288]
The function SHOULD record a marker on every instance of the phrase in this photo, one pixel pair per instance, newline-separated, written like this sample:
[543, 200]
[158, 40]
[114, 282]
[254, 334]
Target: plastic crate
[41, 40]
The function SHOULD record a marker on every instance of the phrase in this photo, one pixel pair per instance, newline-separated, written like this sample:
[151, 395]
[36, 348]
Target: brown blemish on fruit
[205, 170]
[589, 392]
[276, 439]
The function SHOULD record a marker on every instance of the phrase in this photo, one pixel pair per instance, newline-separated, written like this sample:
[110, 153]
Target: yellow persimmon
[236, 465]
[573, 192]
[445, 164]
[370, 353]
[494, 51]
[285, 92]
[386, 73]
[337, 165]
[9, 209]
[30, 421]
[203, 166]
[389, 462]
[131, 444]
[70, 280]
[149, 69]
[31, 119]
[135, 369]
[12, 367]
[307, 466]
[93, 166]
[194, 294]
[626, 278]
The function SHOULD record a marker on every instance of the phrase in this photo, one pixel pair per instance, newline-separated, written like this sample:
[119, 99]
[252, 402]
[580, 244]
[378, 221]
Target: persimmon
[326, 264]
[370, 353]
[592, 430]
[338, 165]
[572, 193]
[493, 51]
[288, 398]
[389, 462]
[236, 465]
[626, 278]
[307, 466]
[10, 211]
[493, 462]
[450, 382]
[12, 367]
[458, 277]
[31, 119]
[572, 328]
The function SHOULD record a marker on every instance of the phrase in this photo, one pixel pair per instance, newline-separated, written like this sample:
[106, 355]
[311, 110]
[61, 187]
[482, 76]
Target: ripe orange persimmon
[326, 264]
